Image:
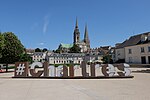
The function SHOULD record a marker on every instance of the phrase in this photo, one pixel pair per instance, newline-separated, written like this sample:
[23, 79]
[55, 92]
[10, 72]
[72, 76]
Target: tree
[38, 50]
[107, 59]
[44, 50]
[1, 44]
[12, 50]
[25, 57]
[75, 49]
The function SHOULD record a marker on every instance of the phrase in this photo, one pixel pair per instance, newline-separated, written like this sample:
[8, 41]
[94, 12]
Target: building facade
[135, 50]
[139, 54]
[39, 56]
[75, 58]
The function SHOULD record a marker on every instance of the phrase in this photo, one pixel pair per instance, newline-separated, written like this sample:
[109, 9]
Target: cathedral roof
[66, 45]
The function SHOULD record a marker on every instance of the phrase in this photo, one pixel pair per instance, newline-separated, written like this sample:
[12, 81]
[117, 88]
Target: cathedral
[83, 44]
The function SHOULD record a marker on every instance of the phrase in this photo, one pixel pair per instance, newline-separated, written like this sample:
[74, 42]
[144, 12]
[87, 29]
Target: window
[143, 60]
[130, 59]
[142, 49]
[130, 51]
[79, 62]
[118, 53]
[149, 59]
[149, 49]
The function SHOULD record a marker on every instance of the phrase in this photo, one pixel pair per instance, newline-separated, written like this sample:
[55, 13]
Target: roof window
[143, 38]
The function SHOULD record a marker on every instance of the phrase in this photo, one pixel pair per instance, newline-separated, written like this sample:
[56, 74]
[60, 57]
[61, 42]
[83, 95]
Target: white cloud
[46, 23]
[41, 43]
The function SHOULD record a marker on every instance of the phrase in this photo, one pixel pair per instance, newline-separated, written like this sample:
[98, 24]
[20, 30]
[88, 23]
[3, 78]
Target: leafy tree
[38, 50]
[1, 44]
[25, 57]
[12, 50]
[75, 49]
[44, 50]
[107, 59]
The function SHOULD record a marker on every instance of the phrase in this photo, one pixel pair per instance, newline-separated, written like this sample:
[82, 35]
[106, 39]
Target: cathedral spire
[76, 33]
[86, 37]
[76, 22]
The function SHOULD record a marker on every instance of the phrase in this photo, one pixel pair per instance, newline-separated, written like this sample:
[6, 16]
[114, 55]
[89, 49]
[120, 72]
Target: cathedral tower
[76, 33]
[86, 37]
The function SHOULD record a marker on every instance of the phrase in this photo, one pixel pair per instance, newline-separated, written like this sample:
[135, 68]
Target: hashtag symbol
[20, 69]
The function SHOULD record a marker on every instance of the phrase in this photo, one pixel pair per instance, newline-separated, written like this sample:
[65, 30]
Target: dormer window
[148, 36]
[143, 38]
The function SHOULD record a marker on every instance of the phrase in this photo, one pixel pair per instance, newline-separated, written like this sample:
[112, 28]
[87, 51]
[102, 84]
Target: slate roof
[38, 53]
[67, 55]
[133, 40]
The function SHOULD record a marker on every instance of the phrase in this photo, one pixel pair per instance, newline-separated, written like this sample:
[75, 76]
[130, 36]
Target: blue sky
[47, 23]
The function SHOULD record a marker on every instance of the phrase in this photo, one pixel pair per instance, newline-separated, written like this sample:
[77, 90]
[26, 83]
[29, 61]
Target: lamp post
[109, 51]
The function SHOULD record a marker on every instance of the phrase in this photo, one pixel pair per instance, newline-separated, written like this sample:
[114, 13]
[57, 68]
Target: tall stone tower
[86, 38]
[76, 33]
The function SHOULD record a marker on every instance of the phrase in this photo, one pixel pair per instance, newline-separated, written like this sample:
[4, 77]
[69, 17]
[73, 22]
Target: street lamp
[109, 51]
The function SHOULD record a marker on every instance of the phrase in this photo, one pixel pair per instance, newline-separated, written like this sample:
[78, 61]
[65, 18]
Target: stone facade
[135, 50]
[66, 58]
[139, 54]
[76, 58]
[38, 56]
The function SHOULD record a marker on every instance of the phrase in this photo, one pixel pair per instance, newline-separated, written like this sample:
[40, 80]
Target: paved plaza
[137, 88]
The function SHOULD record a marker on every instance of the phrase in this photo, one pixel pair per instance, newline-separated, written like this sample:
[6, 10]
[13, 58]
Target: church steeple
[76, 33]
[86, 37]
[76, 23]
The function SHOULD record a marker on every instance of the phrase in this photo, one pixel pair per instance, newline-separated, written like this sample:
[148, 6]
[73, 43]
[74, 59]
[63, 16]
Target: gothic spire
[76, 33]
[76, 22]
[86, 37]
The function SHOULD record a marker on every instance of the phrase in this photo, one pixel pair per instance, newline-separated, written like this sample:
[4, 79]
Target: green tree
[75, 49]
[1, 44]
[38, 50]
[25, 57]
[44, 50]
[107, 59]
[12, 50]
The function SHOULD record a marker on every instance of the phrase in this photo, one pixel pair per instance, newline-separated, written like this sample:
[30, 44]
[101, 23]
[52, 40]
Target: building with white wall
[65, 58]
[38, 56]
[76, 58]
[135, 50]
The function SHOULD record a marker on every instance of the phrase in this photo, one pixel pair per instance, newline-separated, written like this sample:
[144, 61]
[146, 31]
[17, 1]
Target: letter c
[32, 69]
